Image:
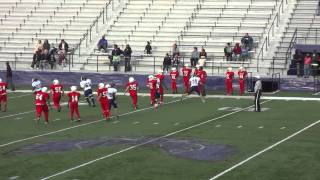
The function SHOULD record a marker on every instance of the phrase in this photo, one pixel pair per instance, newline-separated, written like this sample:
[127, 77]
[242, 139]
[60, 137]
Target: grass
[295, 159]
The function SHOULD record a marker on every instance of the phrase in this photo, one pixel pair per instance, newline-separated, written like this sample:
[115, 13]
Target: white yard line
[147, 142]
[14, 97]
[263, 151]
[80, 125]
[11, 115]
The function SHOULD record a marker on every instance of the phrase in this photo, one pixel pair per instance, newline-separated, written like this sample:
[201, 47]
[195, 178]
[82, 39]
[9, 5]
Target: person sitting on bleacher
[46, 48]
[115, 57]
[175, 50]
[237, 52]
[103, 44]
[244, 53]
[195, 55]
[37, 50]
[63, 49]
[203, 57]
[247, 41]
[148, 48]
[228, 52]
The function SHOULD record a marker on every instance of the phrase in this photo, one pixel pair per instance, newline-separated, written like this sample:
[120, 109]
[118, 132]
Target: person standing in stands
[9, 77]
[63, 49]
[175, 50]
[127, 58]
[237, 51]
[247, 41]
[203, 57]
[307, 63]
[148, 48]
[257, 94]
[37, 50]
[115, 57]
[103, 44]
[228, 52]
[298, 57]
[195, 55]
[46, 48]
[166, 63]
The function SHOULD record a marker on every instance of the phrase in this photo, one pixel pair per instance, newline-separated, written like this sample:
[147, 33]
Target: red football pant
[3, 98]
[174, 86]
[134, 99]
[152, 97]
[44, 109]
[241, 85]
[229, 86]
[186, 85]
[56, 101]
[105, 109]
[74, 110]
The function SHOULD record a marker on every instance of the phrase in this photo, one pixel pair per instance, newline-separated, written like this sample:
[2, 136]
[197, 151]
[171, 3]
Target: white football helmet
[131, 79]
[150, 77]
[107, 85]
[173, 69]
[0, 80]
[229, 69]
[55, 81]
[186, 65]
[101, 85]
[73, 88]
[44, 89]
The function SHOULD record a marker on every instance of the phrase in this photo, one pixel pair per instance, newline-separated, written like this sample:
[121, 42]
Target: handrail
[291, 45]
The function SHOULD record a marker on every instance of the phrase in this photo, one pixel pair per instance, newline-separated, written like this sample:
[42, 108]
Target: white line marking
[264, 150]
[14, 177]
[239, 126]
[176, 124]
[147, 142]
[218, 125]
[155, 123]
[136, 122]
[14, 97]
[115, 122]
[282, 128]
[261, 127]
[11, 115]
[57, 119]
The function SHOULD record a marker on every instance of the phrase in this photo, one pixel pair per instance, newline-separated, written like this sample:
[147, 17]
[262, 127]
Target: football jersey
[85, 84]
[41, 98]
[202, 75]
[186, 72]
[36, 85]
[133, 87]
[160, 78]
[3, 88]
[174, 75]
[56, 88]
[242, 74]
[229, 75]
[194, 81]
[103, 93]
[73, 97]
[111, 93]
[152, 84]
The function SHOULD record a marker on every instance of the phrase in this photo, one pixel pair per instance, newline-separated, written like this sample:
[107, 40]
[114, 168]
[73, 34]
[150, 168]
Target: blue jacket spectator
[103, 44]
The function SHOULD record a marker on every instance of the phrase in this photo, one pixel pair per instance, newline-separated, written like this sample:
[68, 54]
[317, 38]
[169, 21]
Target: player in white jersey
[194, 83]
[36, 85]
[85, 84]
[111, 95]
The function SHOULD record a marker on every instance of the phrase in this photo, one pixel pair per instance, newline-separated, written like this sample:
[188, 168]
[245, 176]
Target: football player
[85, 84]
[111, 95]
[194, 83]
[160, 78]
[41, 102]
[56, 91]
[3, 96]
[102, 98]
[73, 101]
[229, 79]
[186, 72]
[174, 74]
[242, 74]
[132, 87]
[202, 74]
[36, 85]
[151, 83]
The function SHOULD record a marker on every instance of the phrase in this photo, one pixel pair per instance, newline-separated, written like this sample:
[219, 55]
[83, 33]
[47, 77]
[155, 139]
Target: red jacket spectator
[237, 49]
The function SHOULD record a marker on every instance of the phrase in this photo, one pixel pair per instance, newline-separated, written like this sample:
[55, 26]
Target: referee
[257, 94]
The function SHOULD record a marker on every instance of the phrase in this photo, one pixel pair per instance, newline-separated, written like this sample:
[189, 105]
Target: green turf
[295, 159]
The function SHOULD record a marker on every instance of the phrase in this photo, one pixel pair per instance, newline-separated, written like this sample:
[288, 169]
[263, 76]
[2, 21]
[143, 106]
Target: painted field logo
[182, 148]
[232, 109]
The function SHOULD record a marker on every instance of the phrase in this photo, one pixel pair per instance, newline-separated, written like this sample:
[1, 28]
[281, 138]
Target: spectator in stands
[46, 48]
[166, 63]
[247, 41]
[175, 50]
[237, 52]
[9, 77]
[63, 49]
[148, 48]
[115, 57]
[37, 50]
[127, 57]
[203, 57]
[298, 57]
[176, 61]
[195, 55]
[307, 63]
[315, 62]
[244, 53]
[103, 44]
[228, 52]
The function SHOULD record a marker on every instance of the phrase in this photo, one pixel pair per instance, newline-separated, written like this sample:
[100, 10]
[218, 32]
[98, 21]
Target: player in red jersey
[56, 91]
[174, 74]
[242, 74]
[102, 98]
[160, 78]
[41, 102]
[74, 97]
[229, 79]
[196, 70]
[151, 83]
[202, 74]
[186, 72]
[133, 87]
[3, 96]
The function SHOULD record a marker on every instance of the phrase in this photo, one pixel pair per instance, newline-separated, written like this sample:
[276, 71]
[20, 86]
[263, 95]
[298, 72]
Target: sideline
[147, 142]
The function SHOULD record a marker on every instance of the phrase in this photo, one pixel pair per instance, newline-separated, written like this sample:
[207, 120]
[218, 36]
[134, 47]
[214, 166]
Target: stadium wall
[23, 78]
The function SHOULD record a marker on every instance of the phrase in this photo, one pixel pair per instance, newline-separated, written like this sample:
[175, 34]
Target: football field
[185, 140]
